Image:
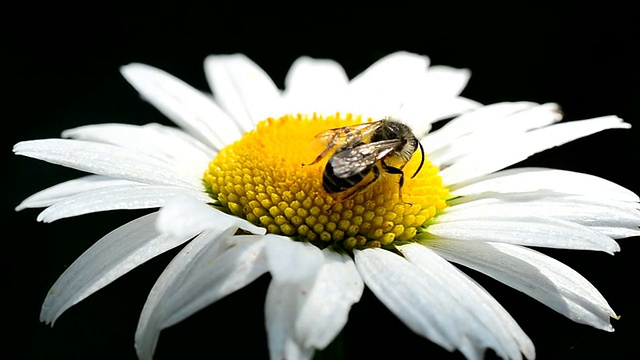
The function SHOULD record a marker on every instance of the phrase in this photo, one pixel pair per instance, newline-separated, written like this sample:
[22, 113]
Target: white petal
[408, 294]
[431, 96]
[616, 232]
[491, 324]
[63, 190]
[121, 197]
[114, 255]
[384, 87]
[497, 131]
[315, 85]
[445, 82]
[284, 255]
[106, 159]
[453, 107]
[420, 114]
[529, 231]
[500, 154]
[185, 217]
[243, 89]
[591, 212]
[212, 278]
[212, 266]
[424, 302]
[337, 287]
[485, 117]
[294, 267]
[165, 143]
[537, 275]
[540, 179]
[192, 110]
[397, 68]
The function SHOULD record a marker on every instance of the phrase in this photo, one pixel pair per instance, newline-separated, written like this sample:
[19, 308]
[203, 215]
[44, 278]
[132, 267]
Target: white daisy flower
[239, 183]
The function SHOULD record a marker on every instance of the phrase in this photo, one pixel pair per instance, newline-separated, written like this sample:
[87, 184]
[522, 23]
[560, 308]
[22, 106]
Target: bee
[362, 149]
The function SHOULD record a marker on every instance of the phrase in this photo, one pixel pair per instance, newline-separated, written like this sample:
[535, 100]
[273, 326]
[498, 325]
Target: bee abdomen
[333, 184]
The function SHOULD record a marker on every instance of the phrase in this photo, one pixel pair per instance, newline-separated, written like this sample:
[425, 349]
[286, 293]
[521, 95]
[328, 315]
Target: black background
[62, 72]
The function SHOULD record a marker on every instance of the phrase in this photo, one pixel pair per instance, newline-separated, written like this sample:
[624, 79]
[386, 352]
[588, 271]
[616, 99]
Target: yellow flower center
[263, 178]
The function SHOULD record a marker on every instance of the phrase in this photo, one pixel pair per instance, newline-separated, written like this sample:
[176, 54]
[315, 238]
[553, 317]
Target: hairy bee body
[365, 149]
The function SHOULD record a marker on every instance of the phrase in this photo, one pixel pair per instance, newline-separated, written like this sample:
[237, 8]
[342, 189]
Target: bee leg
[318, 158]
[395, 171]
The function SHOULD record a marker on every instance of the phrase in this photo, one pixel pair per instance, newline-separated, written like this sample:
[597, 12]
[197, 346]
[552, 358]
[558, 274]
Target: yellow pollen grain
[263, 178]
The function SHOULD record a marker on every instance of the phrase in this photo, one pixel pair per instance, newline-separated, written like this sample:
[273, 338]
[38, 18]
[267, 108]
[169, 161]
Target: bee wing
[351, 161]
[346, 137]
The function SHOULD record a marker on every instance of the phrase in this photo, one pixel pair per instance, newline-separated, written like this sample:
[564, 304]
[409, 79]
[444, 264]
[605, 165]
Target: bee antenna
[421, 160]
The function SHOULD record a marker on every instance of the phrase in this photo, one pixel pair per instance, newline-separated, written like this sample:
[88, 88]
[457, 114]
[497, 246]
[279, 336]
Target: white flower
[462, 208]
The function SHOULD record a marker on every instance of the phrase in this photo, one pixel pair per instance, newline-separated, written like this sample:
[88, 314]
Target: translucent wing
[345, 137]
[351, 161]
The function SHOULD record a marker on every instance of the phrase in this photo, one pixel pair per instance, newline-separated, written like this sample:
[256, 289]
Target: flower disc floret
[263, 178]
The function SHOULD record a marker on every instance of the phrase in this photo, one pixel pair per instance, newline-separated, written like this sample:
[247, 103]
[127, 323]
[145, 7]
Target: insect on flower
[361, 150]
[232, 193]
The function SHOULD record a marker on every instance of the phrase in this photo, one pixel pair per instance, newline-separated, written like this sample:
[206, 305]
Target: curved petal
[541, 179]
[529, 231]
[315, 85]
[433, 97]
[53, 194]
[136, 196]
[422, 297]
[498, 155]
[211, 279]
[212, 266]
[445, 81]
[591, 212]
[189, 108]
[494, 326]
[106, 159]
[384, 87]
[294, 267]
[114, 255]
[616, 232]
[497, 131]
[337, 287]
[165, 143]
[485, 117]
[421, 113]
[454, 107]
[537, 275]
[410, 295]
[185, 217]
[397, 68]
[243, 89]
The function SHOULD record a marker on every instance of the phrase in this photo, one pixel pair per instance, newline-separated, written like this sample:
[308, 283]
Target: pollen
[265, 178]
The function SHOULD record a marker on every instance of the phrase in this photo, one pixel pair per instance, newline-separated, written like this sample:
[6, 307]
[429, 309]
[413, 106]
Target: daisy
[238, 184]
